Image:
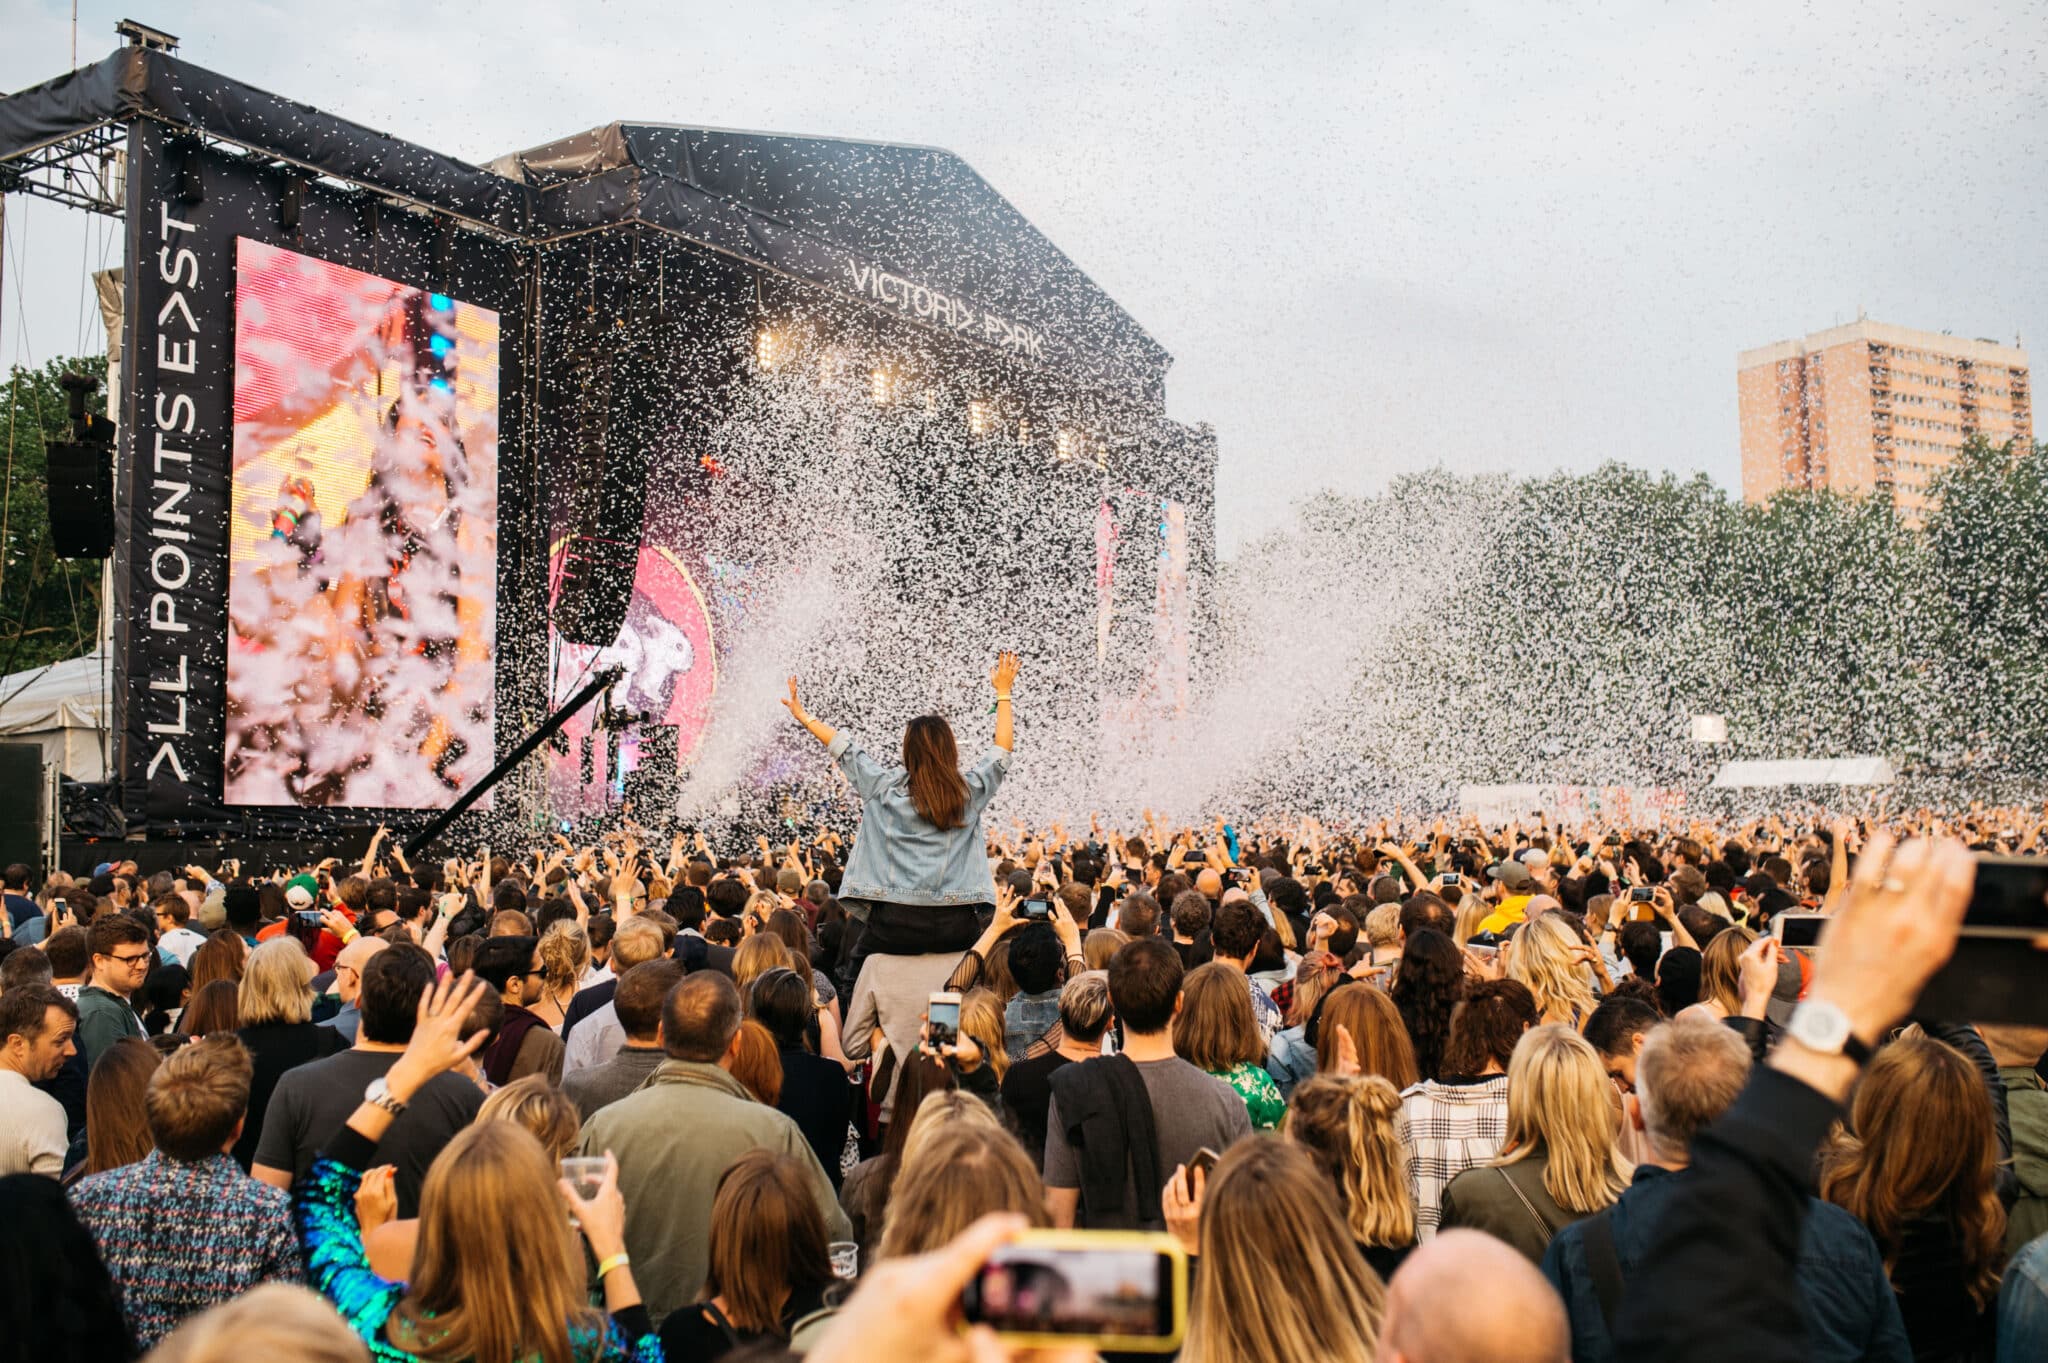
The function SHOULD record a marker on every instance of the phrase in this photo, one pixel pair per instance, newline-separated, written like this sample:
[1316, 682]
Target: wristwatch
[1822, 1027]
[379, 1093]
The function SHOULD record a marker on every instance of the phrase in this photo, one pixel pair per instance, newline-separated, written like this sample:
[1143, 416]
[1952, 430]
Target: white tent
[62, 707]
[1838, 771]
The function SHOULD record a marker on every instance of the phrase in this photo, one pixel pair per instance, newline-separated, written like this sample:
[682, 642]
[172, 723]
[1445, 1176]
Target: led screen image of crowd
[363, 548]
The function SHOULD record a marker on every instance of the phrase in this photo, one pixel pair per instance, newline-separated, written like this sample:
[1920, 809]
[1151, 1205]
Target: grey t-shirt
[313, 1102]
[1190, 1109]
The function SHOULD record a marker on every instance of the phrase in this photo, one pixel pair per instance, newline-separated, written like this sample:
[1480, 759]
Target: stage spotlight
[981, 417]
[1024, 430]
[882, 387]
[1066, 444]
[768, 348]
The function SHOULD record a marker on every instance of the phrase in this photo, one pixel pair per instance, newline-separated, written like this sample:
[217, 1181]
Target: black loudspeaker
[21, 813]
[608, 389]
[81, 496]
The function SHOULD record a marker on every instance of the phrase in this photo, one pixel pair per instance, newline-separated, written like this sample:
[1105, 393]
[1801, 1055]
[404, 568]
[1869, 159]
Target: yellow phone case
[1152, 1242]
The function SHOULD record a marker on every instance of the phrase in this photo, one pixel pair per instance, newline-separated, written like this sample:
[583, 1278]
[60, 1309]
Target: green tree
[49, 607]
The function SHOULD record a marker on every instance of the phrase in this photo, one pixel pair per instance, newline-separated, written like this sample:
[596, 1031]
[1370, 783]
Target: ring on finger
[1893, 885]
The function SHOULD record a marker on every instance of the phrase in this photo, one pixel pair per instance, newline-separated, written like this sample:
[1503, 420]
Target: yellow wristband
[1002, 696]
[616, 1261]
[349, 935]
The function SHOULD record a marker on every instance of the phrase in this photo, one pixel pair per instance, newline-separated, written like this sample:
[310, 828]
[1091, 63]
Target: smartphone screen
[1800, 929]
[1995, 973]
[2011, 897]
[1035, 910]
[1121, 1291]
[944, 1020]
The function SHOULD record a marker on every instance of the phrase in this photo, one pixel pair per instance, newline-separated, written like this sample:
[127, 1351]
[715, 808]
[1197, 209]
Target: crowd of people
[1405, 1090]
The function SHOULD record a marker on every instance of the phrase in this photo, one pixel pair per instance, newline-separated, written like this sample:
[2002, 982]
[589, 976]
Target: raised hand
[1005, 675]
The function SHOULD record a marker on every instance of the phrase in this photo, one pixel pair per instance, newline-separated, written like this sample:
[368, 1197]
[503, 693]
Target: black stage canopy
[912, 230]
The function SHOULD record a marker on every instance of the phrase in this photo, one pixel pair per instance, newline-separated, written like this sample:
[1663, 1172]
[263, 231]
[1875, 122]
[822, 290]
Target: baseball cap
[1534, 856]
[1512, 874]
[1785, 994]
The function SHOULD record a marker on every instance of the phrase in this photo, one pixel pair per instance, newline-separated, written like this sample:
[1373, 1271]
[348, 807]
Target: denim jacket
[1849, 1311]
[898, 856]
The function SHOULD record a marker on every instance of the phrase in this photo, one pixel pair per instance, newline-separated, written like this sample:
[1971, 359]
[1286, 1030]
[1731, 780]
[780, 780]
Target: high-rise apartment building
[1867, 407]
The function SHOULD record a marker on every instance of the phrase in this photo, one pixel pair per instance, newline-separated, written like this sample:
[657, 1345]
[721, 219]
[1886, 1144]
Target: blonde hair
[497, 1272]
[564, 954]
[1721, 968]
[1560, 1101]
[1541, 958]
[276, 1320]
[1313, 977]
[943, 1109]
[959, 1172]
[758, 955]
[981, 1017]
[1472, 911]
[1352, 1128]
[1383, 926]
[274, 985]
[1268, 1231]
[542, 1109]
[1215, 1029]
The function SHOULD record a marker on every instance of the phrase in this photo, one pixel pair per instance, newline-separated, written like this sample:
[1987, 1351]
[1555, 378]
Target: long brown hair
[116, 1119]
[1270, 1231]
[933, 760]
[962, 1171]
[219, 957]
[497, 1273]
[1924, 1145]
[767, 1241]
[1376, 1030]
[213, 1009]
[1215, 1029]
[981, 1020]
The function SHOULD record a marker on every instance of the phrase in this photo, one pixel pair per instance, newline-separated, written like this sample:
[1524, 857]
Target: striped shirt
[179, 1236]
[1449, 1128]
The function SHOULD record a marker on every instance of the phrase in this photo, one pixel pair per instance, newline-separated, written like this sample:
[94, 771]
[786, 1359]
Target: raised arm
[820, 730]
[1005, 678]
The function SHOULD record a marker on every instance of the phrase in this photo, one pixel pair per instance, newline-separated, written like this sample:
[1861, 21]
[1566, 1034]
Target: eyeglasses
[130, 960]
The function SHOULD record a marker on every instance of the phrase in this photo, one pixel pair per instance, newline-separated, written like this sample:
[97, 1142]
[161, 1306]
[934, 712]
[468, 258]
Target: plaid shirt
[1449, 1128]
[179, 1236]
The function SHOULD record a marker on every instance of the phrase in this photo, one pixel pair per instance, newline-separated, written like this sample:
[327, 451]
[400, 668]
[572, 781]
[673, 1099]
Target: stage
[407, 448]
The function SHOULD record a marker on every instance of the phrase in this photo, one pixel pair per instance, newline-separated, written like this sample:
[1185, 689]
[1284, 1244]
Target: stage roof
[909, 229]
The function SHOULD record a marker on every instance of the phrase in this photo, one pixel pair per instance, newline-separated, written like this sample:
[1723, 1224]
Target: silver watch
[380, 1094]
[1820, 1026]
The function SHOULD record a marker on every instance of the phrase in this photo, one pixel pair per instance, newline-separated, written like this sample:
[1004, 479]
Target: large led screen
[363, 550]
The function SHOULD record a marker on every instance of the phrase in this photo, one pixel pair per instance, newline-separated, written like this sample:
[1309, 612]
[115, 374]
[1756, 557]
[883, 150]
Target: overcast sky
[1376, 238]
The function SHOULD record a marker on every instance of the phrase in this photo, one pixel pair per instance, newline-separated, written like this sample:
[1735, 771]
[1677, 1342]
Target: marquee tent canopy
[62, 707]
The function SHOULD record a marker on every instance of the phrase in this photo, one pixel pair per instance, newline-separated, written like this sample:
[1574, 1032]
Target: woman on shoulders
[919, 871]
